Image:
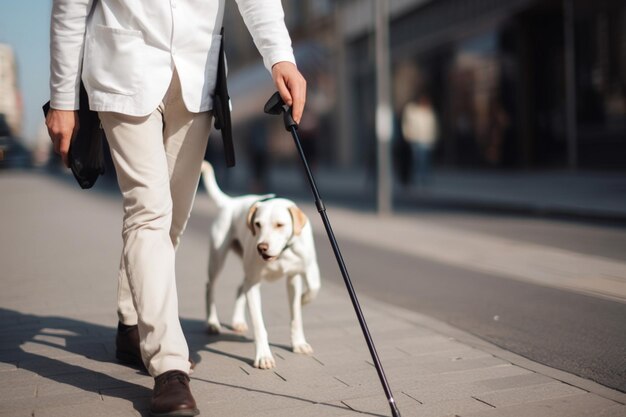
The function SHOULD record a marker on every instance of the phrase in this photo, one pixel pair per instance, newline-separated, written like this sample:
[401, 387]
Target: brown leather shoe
[127, 347]
[172, 396]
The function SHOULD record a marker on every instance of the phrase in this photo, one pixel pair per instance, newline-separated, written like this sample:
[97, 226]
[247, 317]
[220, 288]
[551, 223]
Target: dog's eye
[279, 225]
[258, 224]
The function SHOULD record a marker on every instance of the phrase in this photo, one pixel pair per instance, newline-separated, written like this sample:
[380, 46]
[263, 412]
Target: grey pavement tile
[17, 376]
[11, 389]
[439, 393]
[584, 405]
[74, 364]
[21, 404]
[450, 353]
[529, 394]
[329, 409]
[444, 392]
[474, 374]
[247, 402]
[378, 405]
[18, 413]
[139, 404]
[7, 366]
[48, 388]
[461, 365]
[135, 391]
[87, 381]
[448, 408]
[515, 381]
[96, 409]
[412, 374]
[58, 352]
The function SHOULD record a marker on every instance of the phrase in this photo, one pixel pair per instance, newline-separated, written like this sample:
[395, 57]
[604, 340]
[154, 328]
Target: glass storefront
[498, 86]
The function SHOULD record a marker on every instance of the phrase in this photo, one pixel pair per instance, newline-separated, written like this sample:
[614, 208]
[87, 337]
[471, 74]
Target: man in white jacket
[149, 68]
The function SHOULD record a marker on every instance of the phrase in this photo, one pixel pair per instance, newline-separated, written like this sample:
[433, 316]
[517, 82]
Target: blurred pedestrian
[150, 69]
[420, 129]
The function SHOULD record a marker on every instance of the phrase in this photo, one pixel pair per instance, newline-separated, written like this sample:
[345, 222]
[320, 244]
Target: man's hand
[62, 127]
[291, 86]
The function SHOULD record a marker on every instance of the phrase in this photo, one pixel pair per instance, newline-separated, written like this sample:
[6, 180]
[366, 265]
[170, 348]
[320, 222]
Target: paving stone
[474, 374]
[529, 394]
[444, 392]
[96, 409]
[584, 405]
[22, 389]
[336, 409]
[20, 404]
[132, 403]
[248, 403]
[515, 381]
[409, 407]
[8, 366]
[18, 413]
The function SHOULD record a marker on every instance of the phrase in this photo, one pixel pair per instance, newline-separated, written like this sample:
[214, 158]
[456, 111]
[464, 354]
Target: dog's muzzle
[262, 248]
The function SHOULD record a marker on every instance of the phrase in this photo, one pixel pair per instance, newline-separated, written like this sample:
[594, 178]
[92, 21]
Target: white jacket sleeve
[67, 35]
[265, 20]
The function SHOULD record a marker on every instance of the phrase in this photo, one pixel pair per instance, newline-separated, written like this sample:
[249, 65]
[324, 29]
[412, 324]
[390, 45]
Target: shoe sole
[177, 413]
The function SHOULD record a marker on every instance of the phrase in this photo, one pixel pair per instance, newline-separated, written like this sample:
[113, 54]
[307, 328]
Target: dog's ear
[250, 218]
[299, 219]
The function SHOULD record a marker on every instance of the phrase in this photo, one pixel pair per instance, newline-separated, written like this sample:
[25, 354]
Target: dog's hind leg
[298, 341]
[239, 315]
[216, 260]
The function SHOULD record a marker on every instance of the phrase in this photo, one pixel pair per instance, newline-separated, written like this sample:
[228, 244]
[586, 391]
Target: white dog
[274, 239]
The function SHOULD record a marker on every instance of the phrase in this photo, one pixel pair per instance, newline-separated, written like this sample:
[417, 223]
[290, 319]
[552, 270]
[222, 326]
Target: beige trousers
[157, 159]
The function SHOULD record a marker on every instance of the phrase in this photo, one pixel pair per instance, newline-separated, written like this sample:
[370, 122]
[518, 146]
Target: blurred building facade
[495, 72]
[10, 99]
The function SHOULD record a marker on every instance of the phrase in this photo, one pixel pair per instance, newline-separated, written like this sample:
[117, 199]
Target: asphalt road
[580, 334]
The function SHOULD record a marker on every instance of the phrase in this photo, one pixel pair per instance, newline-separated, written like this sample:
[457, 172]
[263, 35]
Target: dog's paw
[303, 348]
[240, 327]
[265, 362]
[213, 328]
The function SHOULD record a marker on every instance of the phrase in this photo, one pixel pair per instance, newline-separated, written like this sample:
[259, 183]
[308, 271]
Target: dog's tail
[216, 195]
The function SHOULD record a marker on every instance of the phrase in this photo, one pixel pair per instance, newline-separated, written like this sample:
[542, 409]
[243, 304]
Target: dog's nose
[262, 247]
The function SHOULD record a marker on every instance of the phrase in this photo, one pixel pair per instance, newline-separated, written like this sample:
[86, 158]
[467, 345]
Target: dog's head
[274, 223]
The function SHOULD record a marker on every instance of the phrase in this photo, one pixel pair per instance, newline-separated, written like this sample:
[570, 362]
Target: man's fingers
[64, 148]
[298, 92]
[62, 127]
[291, 86]
[284, 91]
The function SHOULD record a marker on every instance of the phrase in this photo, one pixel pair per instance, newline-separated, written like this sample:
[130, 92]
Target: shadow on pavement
[75, 353]
[31, 342]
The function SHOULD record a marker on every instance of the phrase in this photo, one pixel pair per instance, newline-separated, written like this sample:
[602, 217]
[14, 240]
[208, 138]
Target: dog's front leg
[294, 289]
[263, 358]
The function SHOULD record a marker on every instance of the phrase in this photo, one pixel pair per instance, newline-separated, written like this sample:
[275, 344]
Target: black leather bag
[221, 107]
[86, 153]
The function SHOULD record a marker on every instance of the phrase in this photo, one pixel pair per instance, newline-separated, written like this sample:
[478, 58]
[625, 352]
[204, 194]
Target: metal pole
[570, 84]
[395, 412]
[384, 114]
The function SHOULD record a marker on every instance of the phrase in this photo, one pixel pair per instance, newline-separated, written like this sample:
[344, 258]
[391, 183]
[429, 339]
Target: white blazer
[129, 49]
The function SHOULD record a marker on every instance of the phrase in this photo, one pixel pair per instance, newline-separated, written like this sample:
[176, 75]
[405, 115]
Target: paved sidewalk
[60, 249]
